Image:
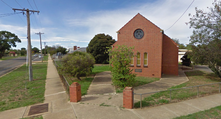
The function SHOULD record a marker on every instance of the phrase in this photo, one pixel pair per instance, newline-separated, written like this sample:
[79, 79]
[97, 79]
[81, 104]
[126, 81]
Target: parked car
[40, 56]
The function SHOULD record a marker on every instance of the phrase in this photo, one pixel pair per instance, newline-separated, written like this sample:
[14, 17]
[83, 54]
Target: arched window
[138, 59]
[132, 61]
[145, 59]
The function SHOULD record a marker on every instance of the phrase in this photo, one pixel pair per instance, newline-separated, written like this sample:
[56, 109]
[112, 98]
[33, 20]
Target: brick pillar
[75, 92]
[128, 98]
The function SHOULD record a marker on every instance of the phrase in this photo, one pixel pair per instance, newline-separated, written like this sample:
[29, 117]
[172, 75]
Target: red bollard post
[75, 92]
[128, 98]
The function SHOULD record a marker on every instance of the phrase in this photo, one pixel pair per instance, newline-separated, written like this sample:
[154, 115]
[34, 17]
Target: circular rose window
[138, 34]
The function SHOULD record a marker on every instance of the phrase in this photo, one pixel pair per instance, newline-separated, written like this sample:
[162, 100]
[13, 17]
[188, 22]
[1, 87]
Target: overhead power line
[18, 3]
[35, 4]
[30, 4]
[6, 4]
[180, 16]
[9, 14]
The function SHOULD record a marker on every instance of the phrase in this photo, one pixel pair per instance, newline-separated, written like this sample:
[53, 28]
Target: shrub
[78, 64]
[120, 60]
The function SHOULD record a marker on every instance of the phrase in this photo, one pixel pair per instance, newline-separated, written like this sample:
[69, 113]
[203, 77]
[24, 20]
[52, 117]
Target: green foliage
[7, 40]
[23, 51]
[181, 46]
[35, 50]
[205, 40]
[120, 60]
[78, 64]
[61, 49]
[98, 47]
[55, 49]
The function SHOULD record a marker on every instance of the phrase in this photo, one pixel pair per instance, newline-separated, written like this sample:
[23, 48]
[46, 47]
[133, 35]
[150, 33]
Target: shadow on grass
[195, 73]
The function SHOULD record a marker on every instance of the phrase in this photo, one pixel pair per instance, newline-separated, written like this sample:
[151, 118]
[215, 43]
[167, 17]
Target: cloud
[79, 29]
[162, 13]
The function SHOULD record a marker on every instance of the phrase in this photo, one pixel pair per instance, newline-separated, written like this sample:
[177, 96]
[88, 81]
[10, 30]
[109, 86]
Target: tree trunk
[1, 55]
[78, 77]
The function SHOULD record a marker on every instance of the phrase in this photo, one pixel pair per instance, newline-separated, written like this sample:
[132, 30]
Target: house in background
[75, 48]
[157, 54]
[12, 53]
[181, 53]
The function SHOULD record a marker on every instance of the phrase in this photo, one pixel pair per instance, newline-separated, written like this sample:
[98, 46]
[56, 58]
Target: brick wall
[150, 43]
[170, 56]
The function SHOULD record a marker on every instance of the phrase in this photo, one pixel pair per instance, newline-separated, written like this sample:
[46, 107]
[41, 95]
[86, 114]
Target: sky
[71, 23]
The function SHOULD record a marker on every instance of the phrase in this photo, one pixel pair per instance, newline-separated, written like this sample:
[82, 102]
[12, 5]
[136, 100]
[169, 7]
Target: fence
[63, 79]
[170, 90]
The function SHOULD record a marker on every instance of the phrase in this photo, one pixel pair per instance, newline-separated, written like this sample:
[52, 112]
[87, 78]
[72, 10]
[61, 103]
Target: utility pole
[40, 44]
[45, 48]
[29, 40]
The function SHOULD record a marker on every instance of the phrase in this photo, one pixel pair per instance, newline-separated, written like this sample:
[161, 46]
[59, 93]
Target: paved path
[101, 84]
[109, 105]
[56, 95]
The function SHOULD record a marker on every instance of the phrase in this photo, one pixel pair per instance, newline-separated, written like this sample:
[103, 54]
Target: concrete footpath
[164, 83]
[108, 105]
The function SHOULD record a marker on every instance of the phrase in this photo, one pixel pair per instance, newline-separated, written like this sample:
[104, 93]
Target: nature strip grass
[17, 91]
[195, 78]
[37, 117]
[213, 113]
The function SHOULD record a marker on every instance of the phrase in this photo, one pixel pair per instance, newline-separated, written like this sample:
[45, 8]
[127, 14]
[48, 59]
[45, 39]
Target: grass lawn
[17, 91]
[38, 117]
[10, 57]
[86, 81]
[45, 58]
[213, 113]
[140, 81]
[195, 78]
[98, 69]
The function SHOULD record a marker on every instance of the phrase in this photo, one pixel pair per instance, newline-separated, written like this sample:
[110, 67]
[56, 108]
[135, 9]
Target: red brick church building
[156, 53]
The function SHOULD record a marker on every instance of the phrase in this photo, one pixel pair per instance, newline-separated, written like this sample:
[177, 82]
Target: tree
[44, 50]
[78, 64]
[35, 50]
[7, 40]
[51, 50]
[206, 37]
[61, 49]
[55, 49]
[23, 51]
[98, 47]
[181, 46]
[120, 60]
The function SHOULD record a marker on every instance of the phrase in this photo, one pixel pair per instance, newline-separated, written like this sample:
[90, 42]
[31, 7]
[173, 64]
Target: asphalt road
[8, 65]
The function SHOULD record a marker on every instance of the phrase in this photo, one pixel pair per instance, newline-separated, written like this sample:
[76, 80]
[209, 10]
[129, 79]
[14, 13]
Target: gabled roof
[172, 40]
[136, 16]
